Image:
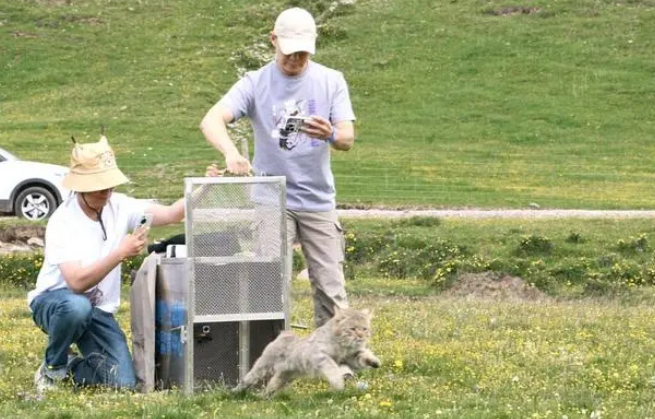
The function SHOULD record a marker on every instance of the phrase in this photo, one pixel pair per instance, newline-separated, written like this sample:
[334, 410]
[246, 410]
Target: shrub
[418, 222]
[22, 269]
[410, 248]
[575, 237]
[637, 244]
[535, 245]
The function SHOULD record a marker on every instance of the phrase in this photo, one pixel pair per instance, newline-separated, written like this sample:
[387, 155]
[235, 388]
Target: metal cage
[236, 296]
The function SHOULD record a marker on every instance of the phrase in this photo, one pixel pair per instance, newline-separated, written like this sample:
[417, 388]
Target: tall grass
[465, 103]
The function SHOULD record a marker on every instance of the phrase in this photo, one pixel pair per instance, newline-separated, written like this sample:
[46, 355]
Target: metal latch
[184, 335]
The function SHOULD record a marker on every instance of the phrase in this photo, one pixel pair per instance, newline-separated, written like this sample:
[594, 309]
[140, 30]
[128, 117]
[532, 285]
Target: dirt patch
[511, 11]
[24, 35]
[55, 2]
[69, 19]
[20, 234]
[492, 285]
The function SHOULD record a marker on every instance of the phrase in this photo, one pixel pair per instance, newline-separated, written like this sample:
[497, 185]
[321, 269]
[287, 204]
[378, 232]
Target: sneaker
[42, 382]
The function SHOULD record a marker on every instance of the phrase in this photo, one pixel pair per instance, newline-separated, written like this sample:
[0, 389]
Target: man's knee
[75, 310]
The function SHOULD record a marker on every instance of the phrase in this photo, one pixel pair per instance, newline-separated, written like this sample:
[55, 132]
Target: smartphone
[144, 221]
[294, 123]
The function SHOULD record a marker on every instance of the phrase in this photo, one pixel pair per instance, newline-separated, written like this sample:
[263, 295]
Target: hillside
[459, 103]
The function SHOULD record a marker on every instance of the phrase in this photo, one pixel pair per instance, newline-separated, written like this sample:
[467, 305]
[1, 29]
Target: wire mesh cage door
[239, 275]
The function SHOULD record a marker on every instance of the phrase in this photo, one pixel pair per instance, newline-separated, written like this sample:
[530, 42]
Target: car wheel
[35, 203]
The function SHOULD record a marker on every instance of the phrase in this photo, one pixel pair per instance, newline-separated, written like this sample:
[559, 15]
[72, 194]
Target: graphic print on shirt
[288, 121]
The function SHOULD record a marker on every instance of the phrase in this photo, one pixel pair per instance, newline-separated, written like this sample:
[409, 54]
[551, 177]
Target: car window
[6, 156]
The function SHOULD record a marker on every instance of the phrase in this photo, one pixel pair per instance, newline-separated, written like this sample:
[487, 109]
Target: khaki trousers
[323, 244]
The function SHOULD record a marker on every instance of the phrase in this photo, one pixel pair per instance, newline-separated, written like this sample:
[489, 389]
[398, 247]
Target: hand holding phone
[144, 223]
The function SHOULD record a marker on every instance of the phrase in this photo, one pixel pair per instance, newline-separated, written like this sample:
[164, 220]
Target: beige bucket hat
[93, 168]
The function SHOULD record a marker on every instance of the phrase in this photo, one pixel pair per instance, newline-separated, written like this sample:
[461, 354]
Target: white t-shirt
[72, 236]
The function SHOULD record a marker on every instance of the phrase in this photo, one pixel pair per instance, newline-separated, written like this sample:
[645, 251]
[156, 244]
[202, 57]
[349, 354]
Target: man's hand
[317, 127]
[213, 171]
[133, 244]
[237, 164]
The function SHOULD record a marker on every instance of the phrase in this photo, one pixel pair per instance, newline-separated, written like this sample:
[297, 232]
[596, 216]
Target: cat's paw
[373, 362]
[238, 389]
[346, 372]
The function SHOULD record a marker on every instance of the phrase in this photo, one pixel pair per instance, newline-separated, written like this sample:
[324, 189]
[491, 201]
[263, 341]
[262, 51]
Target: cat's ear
[367, 312]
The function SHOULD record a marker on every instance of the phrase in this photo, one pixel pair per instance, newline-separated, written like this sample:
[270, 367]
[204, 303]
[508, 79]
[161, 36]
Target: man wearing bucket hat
[78, 288]
[299, 110]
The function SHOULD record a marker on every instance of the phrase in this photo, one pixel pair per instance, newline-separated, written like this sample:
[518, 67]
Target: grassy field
[459, 103]
[509, 352]
[443, 358]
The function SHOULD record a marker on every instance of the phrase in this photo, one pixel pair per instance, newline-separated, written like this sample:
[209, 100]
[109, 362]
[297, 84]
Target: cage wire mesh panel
[236, 244]
[236, 239]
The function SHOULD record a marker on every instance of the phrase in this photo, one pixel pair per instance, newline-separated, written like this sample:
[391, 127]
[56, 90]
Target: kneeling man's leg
[107, 360]
[65, 317]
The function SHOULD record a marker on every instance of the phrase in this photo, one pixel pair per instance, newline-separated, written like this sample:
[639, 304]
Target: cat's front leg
[368, 359]
[346, 372]
[332, 373]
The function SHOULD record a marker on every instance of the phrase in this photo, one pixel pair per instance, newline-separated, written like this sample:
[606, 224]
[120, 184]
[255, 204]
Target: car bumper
[5, 205]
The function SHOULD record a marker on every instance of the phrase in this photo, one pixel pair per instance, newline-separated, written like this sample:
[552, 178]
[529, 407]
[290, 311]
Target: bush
[410, 248]
[534, 245]
[575, 237]
[22, 269]
[637, 244]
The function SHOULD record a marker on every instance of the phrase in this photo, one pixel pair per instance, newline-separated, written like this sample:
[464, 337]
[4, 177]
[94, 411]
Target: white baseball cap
[296, 31]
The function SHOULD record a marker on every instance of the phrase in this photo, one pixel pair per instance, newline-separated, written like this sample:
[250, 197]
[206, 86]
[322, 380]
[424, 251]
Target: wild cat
[333, 351]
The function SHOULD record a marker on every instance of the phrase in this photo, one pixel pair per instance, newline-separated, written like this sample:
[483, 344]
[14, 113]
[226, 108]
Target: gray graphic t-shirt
[269, 98]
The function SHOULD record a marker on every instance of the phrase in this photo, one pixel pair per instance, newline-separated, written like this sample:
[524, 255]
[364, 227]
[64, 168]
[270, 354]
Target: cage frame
[244, 320]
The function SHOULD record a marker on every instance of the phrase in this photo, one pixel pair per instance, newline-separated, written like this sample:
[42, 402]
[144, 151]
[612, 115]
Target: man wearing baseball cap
[78, 288]
[299, 110]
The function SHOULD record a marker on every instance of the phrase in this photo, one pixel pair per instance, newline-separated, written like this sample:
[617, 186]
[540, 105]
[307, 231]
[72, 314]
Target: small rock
[534, 205]
[36, 241]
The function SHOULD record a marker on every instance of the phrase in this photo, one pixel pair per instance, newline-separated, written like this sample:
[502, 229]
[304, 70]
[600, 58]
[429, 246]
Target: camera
[294, 123]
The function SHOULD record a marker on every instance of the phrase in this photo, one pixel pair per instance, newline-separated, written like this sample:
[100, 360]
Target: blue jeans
[69, 318]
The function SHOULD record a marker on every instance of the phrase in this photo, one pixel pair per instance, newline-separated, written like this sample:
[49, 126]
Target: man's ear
[272, 37]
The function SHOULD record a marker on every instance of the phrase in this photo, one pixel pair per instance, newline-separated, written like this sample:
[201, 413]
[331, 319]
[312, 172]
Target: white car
[29, 189]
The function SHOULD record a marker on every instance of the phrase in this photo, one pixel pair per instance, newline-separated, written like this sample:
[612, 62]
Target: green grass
[443, 358]
[456, 106]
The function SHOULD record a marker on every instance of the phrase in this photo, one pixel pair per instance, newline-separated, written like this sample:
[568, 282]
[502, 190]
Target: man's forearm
[214, 127]
[80, 279]
[344, 136]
